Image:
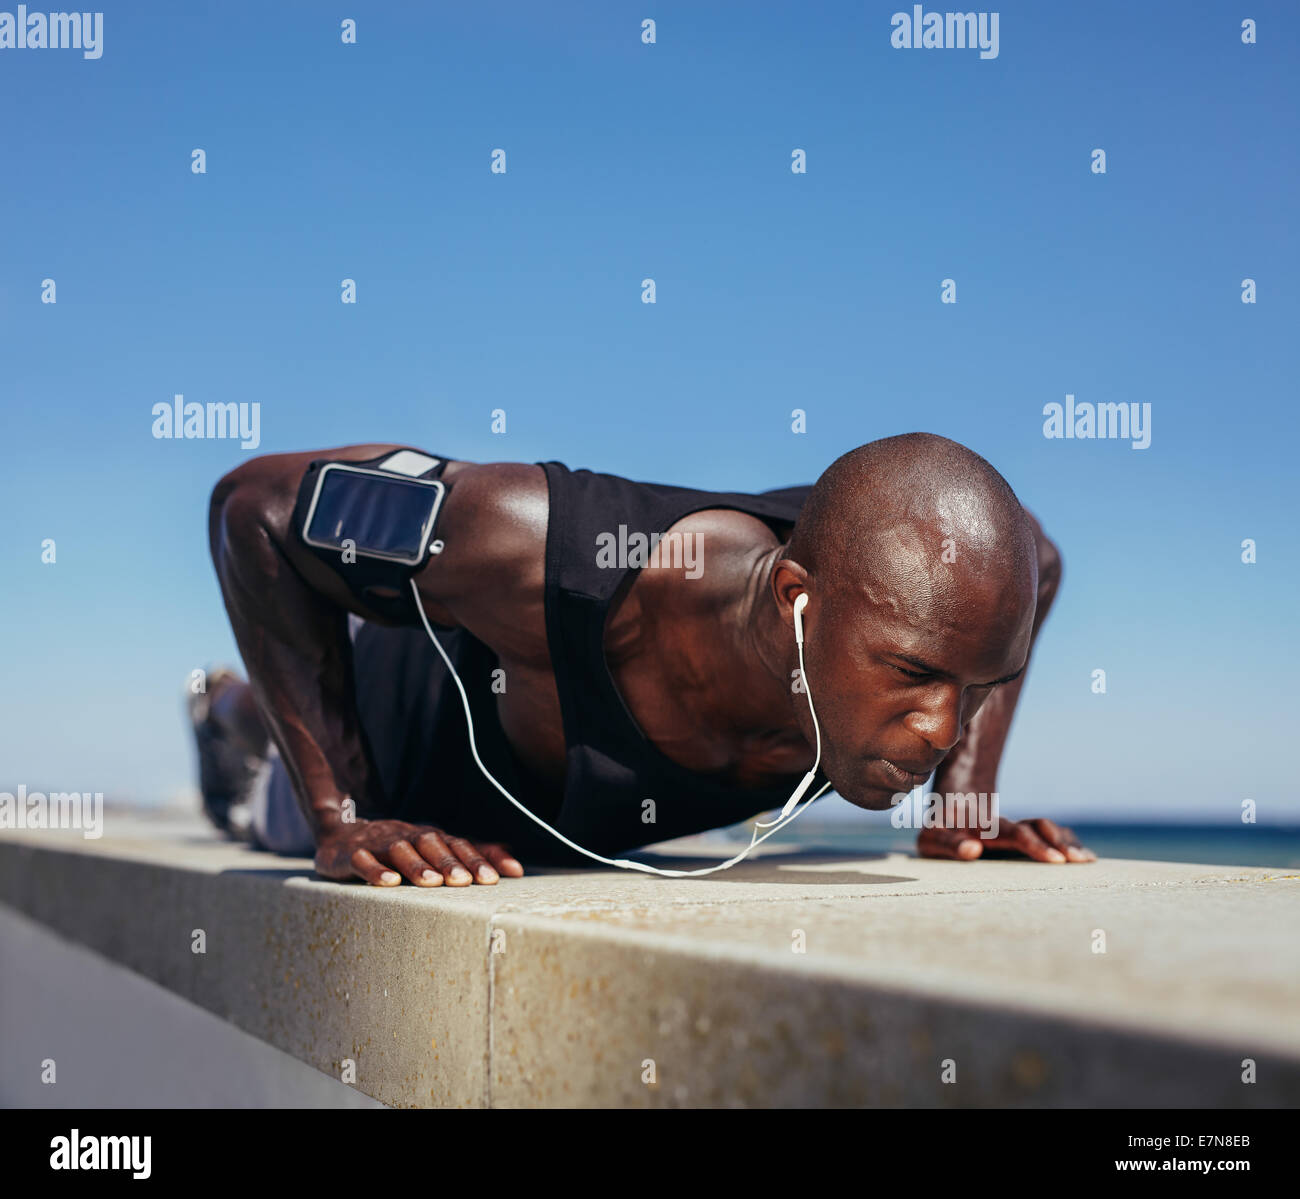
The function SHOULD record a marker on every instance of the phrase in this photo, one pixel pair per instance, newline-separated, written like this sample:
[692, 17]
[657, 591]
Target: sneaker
[227, 772]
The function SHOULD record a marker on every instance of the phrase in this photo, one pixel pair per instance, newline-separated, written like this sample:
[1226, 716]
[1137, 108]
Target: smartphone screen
[381, 515]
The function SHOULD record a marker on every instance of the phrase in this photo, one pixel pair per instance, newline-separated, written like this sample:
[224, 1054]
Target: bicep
[261, 562]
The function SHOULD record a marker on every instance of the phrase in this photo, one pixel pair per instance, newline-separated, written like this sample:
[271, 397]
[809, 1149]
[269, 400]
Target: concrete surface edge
[453, 1003]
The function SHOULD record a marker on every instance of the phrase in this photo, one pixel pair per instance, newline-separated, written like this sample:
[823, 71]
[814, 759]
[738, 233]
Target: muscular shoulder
[494, 520]
[491, 577]
[724, 544]
[700, 568]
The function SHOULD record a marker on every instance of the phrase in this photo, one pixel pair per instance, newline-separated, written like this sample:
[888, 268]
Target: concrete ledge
[797, 979]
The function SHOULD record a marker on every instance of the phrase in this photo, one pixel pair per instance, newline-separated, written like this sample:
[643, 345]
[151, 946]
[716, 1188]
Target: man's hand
[1041, 840]
[383, 852]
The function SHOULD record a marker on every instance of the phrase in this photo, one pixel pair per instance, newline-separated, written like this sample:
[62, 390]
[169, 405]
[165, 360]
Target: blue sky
[774, 291]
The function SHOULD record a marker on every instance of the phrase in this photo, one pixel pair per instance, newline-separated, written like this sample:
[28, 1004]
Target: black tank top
[613, 768]
[413, 718]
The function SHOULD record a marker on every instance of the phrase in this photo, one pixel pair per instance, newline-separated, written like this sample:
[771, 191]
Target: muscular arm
[972, 764]
[289, 611]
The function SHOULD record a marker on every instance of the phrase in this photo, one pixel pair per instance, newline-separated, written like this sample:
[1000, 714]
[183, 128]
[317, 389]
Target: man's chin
[873, 799]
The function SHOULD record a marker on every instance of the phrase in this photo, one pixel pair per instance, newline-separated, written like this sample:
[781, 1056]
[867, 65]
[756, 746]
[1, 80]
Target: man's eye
[915, 675]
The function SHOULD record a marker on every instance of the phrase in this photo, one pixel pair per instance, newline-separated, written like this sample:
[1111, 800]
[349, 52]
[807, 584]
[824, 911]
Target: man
[630, 701]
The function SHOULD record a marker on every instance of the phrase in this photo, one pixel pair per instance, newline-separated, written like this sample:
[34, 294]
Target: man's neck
[724, 661]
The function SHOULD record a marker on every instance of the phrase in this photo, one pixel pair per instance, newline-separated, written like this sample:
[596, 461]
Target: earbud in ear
[800, 603]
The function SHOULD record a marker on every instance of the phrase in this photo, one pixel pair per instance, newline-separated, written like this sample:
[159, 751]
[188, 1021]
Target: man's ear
[789, 581]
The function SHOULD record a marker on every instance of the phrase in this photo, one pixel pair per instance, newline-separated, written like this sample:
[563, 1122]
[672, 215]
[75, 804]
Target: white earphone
[800, 603]
[788, 812]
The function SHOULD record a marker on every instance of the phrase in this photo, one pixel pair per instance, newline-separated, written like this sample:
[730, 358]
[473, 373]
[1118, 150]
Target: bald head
[908, 517]
[920, 568]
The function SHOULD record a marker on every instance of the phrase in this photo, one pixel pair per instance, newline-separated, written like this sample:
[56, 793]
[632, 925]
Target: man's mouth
[902, 778]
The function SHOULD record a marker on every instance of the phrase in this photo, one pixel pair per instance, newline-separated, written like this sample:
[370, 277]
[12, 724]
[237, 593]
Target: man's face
[898, 667]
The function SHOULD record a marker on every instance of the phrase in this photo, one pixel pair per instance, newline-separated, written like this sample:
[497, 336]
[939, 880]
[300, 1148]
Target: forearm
[305, 693]
[295, 647]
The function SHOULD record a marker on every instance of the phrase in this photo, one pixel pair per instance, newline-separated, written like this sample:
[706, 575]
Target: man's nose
[938, 722]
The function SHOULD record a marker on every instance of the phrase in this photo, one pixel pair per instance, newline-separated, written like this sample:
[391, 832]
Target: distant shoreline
[1210, 844]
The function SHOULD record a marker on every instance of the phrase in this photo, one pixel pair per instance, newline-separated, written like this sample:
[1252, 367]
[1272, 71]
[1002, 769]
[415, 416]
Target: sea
[1207, 844]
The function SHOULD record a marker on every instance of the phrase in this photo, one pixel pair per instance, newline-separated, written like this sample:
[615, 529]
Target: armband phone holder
[372, 523]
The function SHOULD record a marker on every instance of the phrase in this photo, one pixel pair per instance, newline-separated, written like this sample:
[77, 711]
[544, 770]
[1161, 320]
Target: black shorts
[414, 723]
